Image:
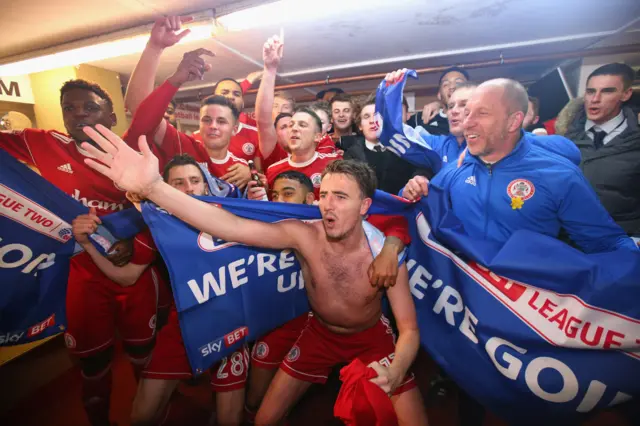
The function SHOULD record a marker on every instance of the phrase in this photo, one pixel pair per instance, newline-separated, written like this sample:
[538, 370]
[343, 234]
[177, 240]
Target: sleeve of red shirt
[392, 226]
[144, 249]
[15, 143]
[245, 85]
[150, 114]
[172, 145]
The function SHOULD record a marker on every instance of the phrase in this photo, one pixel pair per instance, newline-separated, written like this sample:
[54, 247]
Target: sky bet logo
[34, 330]
[229, 339]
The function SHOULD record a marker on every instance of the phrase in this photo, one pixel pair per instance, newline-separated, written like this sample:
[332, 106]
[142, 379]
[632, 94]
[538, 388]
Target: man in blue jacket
[508, 182]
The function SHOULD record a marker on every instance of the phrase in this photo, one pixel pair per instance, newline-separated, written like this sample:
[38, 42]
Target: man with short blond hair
[283, 102]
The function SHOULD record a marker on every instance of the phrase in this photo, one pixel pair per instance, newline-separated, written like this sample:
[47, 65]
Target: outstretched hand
[133, 171]
[272, 52]
[166, 31]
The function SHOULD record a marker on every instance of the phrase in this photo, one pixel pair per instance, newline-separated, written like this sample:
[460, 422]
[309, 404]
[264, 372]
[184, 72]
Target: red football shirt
[278, 154]
[60, 160]
[175, 143]
[247, 119]
[144, 248]
[326, 145]
[245, 143]
[312, 168]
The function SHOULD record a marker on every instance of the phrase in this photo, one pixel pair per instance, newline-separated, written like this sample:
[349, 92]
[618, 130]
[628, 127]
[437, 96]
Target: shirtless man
[334, 255]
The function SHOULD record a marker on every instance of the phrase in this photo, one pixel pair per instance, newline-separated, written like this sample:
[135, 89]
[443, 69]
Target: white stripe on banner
[32, 215]
[561, 319]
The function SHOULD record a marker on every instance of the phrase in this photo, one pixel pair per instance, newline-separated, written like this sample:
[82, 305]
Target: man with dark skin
[95, 303]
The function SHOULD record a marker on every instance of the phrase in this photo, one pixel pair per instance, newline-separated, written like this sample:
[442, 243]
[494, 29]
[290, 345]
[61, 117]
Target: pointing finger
[183, 34]
[203, 51]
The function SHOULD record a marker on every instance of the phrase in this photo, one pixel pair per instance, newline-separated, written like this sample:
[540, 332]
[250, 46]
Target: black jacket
[392, 172]
[613, 170]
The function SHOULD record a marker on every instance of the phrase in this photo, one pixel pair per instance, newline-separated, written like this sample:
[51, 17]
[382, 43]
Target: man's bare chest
[344, 275]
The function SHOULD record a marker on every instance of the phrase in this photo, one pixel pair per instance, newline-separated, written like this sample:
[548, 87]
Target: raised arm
[250, 80]
[149, 119]
[271, 54]
[139, 174]
[165, 33]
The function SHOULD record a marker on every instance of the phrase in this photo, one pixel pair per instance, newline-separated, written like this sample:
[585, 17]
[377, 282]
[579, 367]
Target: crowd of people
[325, 153]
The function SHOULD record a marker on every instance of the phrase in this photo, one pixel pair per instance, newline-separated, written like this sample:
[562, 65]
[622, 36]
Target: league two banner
[35, 248]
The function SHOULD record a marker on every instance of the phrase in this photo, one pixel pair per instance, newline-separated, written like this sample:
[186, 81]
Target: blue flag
[36, 245]
[396, 136]
[35, 248]
[226, 293]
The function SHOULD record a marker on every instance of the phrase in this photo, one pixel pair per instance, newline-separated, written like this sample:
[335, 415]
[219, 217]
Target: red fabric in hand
[360, 402]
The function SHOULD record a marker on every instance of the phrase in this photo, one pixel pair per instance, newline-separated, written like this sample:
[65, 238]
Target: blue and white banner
[36, 245]
[557, 339]
[35, 248]
[560, 338]
[226, 293]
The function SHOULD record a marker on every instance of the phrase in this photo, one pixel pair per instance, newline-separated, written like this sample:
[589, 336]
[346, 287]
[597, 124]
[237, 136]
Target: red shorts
[169, 360]
[96, 307]
[318, 349]
[230, 373]
[269, 351]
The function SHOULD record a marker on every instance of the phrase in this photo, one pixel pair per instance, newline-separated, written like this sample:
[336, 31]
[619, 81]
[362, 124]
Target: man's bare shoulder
[301, 230]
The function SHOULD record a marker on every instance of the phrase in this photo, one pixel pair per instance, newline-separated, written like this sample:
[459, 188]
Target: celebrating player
[347, 321]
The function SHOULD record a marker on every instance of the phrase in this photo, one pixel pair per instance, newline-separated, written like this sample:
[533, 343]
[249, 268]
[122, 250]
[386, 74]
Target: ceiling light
[283, 11]
[105, 47]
